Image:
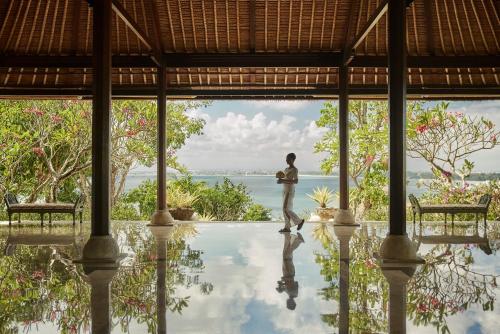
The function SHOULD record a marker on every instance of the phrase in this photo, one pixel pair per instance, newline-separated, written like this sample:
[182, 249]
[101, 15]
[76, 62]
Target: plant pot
[326, 213]
[181, 213]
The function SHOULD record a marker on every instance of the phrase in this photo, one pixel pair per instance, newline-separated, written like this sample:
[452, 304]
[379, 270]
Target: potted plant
[180, 204]
[323, 196]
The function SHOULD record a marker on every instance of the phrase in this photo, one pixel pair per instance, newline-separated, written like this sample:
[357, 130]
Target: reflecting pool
[247, 278]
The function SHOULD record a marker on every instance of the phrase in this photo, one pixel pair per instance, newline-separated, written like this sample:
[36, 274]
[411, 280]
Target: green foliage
[444, 139]
[42, 284]
[257, 212]
[322, 195]
[46, 145]
[368, 140]
[224, 201]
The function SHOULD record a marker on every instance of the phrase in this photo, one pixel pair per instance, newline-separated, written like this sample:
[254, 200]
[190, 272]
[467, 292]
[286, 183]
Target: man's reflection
[288, 283]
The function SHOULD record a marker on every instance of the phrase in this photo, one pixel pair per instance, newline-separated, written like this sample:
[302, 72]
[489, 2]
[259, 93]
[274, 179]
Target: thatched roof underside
[437, 30]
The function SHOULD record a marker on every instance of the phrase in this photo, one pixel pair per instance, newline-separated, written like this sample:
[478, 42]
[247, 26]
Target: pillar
[162, 215]
[397, 246]
[162, 235]
[100, 299]
[344, 234]
[397, 117]
[344, 214]
[101, 247]
[398, 277]
[101, 118]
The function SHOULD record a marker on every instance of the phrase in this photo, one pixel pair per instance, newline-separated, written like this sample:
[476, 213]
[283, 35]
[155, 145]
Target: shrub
[224, 201]
[257, 212]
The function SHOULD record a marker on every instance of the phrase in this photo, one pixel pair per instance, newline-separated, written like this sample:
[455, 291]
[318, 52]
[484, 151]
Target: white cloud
[239, 141]
[284, 106]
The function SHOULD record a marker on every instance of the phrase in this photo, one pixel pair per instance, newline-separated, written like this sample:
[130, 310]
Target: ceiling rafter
[121, 12]
[372, 21]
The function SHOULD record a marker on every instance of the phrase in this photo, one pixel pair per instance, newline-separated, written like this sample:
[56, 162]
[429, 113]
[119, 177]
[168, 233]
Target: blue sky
[256, 135]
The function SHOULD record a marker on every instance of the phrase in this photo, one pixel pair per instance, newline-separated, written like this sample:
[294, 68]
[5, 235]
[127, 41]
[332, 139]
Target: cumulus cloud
[236, 140]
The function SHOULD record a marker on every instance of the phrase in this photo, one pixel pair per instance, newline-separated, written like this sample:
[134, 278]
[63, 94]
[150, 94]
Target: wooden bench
[13, 206]
[480, 208]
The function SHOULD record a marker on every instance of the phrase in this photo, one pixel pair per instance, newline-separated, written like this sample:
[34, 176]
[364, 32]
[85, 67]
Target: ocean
[264, 189]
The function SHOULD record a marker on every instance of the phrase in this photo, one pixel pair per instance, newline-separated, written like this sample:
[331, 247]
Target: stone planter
[326, 213]
[181, 213]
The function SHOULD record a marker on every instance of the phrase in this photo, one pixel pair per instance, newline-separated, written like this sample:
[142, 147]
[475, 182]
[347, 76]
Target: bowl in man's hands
[280, 175]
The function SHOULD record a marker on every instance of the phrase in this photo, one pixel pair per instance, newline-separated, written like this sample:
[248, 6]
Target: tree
[368, 151]
[47, 143]
[446, 139]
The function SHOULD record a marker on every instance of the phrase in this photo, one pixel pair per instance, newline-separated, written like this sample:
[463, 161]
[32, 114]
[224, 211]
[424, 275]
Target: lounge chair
[480, 208]
[13, 206]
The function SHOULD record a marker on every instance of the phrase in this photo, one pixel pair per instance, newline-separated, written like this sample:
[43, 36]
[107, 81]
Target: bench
[13, 206]
[480, 208]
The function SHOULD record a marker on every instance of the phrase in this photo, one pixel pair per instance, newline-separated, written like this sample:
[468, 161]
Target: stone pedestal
[162, 218]
[400, 249]
[344, 217]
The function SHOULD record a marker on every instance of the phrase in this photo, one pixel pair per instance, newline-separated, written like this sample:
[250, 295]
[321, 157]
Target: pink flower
[142, 122]
[369, 159]
[421, 308]
[435, 302]
[369, 264]
[37, 274]
[422, 128]
[38, 151]
[446, 174]
[131, 133]
[493, 138]
[56, 119]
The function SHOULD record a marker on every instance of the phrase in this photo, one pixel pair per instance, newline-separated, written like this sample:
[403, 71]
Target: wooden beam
[455, 92]
[122, 13]
[246, 60]
[251, 27]
[372, 21]
[75, 24]
[429, 29]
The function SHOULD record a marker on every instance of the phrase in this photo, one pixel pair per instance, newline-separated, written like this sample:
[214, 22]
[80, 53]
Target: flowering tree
[446, 139]
[368, 152]
[46, 145]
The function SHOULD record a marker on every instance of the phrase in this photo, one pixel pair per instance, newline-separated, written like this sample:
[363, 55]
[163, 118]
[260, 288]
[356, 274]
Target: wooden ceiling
[250, 48]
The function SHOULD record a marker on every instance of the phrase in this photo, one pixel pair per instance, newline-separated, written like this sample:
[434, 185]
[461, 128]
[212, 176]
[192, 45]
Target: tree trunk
[54, 188]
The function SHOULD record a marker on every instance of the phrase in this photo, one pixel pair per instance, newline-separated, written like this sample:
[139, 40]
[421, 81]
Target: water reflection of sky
[243, 263]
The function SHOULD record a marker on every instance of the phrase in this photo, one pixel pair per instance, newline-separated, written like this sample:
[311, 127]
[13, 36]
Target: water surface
[247, 278]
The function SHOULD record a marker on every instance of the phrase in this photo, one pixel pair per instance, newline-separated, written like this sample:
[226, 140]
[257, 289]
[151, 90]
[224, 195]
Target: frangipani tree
[447, 139]
[46, 144]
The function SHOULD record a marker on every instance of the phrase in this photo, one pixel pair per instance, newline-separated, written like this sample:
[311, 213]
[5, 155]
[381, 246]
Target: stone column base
[161, 218]
[344, 217]
[101, 252]
[399, 249]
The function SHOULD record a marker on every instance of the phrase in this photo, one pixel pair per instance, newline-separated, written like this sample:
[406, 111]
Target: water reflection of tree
[446, 285]
[40, 284]
[367, 286]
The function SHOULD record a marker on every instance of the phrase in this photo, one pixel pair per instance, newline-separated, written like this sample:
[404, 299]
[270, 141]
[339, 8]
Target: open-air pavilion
[246, 49]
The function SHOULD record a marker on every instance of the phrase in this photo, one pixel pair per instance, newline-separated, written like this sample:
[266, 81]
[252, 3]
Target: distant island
[410, 174]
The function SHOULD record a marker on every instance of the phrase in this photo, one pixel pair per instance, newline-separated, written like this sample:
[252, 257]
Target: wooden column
[397, 117]
[162, 140]
[343, 139]
[101, 118]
